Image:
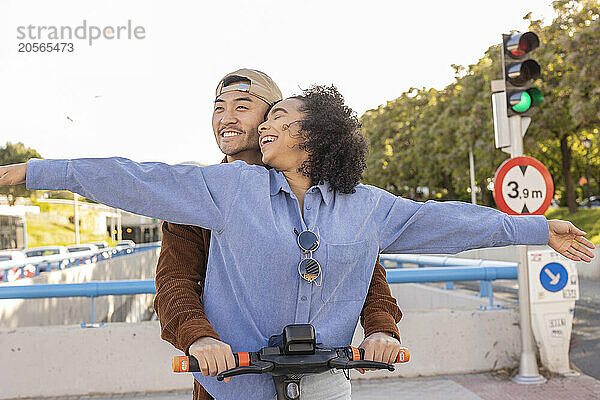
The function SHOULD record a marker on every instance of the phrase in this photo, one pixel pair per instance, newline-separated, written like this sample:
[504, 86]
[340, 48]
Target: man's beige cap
[261, 85]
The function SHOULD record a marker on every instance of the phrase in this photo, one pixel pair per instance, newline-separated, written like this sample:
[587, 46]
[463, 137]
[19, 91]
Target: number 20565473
[34, 47]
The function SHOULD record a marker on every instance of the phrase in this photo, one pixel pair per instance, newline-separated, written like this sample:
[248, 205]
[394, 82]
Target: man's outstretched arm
[180, 276]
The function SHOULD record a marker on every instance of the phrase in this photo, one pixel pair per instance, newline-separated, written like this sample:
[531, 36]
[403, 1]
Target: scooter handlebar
[242, 359]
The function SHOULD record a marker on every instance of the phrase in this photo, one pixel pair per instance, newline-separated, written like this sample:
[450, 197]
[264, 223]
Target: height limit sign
[523, 185]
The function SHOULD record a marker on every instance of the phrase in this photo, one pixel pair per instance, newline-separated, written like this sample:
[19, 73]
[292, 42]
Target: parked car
[12, 255]
[125, 246]
[43, 251]
[83, 253]
[48, 257]
[8, 271]
[104, 248]
[594, 202]
[101, 245]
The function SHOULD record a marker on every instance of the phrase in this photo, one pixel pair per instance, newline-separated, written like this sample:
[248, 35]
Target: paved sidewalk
[459, 387]
[476, 387]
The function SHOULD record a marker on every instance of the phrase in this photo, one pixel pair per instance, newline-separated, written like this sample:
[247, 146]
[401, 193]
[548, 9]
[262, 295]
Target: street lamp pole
[587, 143]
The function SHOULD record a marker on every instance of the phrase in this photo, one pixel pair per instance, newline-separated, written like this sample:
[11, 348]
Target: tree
[569, 48]
[422, 138]
[13, 154]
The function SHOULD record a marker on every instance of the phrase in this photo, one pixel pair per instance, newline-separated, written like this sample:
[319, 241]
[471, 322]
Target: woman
[300, 245]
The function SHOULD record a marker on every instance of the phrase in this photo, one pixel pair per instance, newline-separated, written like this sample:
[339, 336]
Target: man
[242, 100]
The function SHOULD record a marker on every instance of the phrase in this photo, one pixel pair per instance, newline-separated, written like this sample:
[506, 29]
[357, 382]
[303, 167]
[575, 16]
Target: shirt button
[303, 298]
[308, 207]
[314, 190]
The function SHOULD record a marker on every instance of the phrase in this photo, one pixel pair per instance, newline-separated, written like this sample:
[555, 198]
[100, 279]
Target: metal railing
[453, 270]
[86, 289]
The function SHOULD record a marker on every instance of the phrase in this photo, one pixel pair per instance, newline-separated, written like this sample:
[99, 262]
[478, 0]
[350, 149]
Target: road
[585, 340]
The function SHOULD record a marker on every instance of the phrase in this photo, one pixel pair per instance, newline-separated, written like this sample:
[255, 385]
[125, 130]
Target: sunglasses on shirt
[309, 268]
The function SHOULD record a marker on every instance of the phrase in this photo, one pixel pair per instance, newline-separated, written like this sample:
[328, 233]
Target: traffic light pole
[513, 98]
[518, 126]
[509, 133]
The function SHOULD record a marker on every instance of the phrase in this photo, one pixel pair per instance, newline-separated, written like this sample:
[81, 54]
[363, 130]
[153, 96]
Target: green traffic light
[524, 104]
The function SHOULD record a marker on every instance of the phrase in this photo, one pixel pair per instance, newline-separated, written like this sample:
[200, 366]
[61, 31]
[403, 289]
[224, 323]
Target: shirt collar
[278, 183]
[326, 192]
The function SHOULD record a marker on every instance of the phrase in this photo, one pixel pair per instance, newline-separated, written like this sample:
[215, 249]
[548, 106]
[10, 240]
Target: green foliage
[14, 154]
[422, 138]
[44, 231]
[586, 219]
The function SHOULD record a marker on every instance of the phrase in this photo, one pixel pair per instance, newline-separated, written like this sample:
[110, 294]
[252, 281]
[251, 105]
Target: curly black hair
[332, 136]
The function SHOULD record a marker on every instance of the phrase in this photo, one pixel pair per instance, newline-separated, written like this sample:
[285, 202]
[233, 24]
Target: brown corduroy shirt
[180, 278]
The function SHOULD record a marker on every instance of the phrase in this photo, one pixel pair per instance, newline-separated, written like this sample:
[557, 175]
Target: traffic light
[519, 70]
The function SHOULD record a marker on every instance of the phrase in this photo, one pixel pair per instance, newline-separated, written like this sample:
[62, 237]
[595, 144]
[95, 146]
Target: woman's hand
[380, 346]
[13, 174]
[569, 241]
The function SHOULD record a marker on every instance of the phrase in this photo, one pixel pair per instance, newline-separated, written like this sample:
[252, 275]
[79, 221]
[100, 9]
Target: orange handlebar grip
[243, 359]
[355, 354]
[181, 364]
[403, 355]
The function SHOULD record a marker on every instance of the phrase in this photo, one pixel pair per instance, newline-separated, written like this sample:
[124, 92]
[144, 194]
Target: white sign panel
[552, 277]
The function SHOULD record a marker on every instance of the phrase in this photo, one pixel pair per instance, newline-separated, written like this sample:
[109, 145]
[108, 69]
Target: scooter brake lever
[346, 364]
[258, 368]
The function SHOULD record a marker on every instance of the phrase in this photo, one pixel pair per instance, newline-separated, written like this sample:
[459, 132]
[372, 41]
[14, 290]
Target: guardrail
[86, 289]
[480, 270]
[33, 266]
[493, 269]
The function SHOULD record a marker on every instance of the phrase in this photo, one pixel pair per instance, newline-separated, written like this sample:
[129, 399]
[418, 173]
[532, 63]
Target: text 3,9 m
[525, 192]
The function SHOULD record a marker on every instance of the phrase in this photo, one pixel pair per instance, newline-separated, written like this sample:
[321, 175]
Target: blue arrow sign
[554, 277]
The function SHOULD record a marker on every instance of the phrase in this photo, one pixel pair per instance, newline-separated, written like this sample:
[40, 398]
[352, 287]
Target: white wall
[125, 358]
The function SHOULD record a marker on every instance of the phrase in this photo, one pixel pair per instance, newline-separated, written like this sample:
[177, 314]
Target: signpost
[523, 186]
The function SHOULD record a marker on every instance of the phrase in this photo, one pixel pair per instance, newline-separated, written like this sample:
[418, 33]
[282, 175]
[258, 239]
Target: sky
[150, 99]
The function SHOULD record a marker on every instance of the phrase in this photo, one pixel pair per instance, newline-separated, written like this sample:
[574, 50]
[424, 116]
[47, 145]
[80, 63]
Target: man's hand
[380, 346]
[213, 356]
[569, 241]
[13, 174]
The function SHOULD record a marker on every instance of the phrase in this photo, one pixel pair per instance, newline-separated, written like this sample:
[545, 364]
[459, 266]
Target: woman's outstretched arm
[200, 196]
[450, 227]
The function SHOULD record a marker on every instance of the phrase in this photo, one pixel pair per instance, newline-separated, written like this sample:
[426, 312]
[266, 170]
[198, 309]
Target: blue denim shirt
[252, 288]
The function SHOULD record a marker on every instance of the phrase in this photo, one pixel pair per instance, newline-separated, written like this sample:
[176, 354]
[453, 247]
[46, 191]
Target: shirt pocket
[344, 274]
